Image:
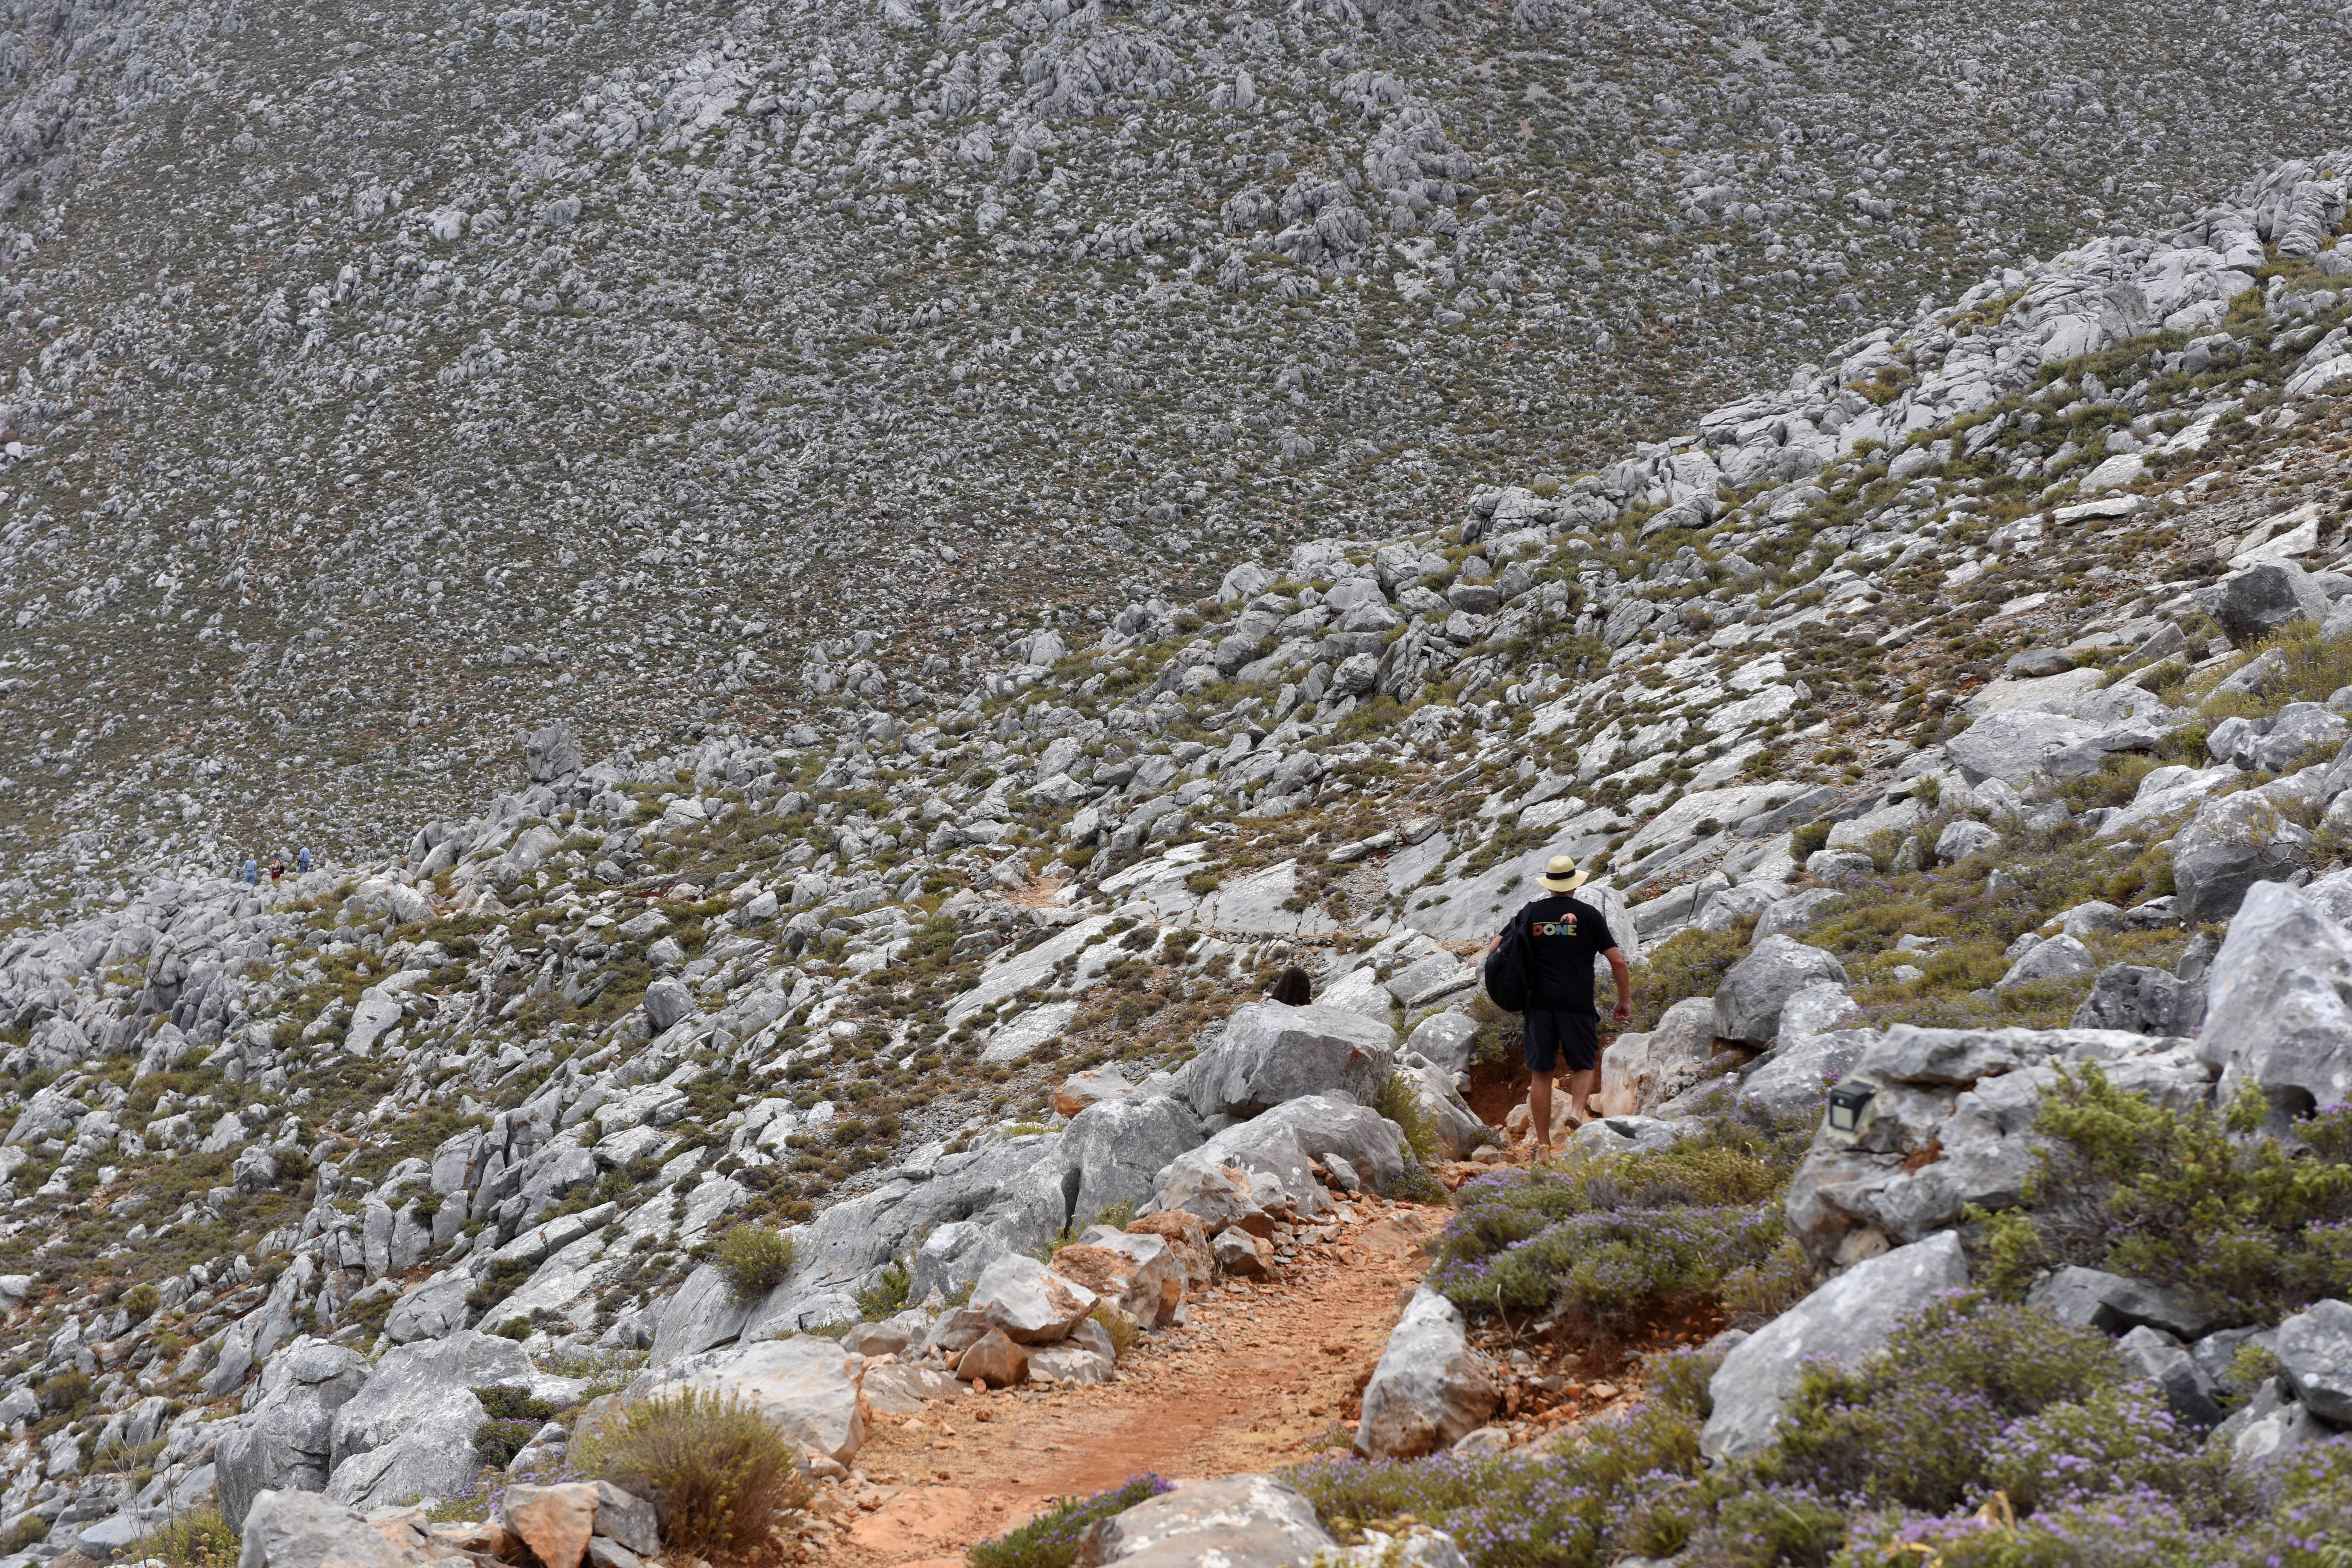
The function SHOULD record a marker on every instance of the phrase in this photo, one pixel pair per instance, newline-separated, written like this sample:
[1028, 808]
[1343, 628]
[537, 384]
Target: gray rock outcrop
[1749, 1001]
[1844, 1322]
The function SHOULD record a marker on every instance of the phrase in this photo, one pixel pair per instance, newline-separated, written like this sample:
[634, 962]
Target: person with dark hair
[1291, 988]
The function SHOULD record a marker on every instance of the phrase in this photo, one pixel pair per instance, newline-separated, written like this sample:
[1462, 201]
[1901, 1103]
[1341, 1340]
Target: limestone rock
[302, 1530]
[1747, 1003]
[2093, 1298]
[2260, 599]
[1844, 1322]
[1188, 1244]
[1272, 1053]
[993, 1359]
[2186, 1388]
[804, 1384]
[554, 1522]
[2144, 1001]
[1430, 1386]
[2279, 1004]
[1027, 1300]
[1640, 1073]
[2315, 1351]
[2231, 846]
[627, 1519]
[285, 1442]
[408, 1433]
[1135, 1274]
[1234, 1522]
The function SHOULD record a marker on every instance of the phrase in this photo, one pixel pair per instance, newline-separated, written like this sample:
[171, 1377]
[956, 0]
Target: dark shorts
[1557, 1039]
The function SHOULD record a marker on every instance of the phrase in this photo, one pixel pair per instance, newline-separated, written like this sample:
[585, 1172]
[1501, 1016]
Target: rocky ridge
[389, 384]
[283, 1154]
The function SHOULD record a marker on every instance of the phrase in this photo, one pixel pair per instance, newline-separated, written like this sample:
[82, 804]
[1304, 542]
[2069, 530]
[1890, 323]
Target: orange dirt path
[1253, 1381]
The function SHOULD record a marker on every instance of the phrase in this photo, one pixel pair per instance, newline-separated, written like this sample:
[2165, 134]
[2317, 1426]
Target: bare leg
[1581, 1086]
[1539, 1107]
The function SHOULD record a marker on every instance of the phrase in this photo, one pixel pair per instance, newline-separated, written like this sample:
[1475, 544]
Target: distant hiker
[1291, 988]
[302, 860]
[252, 873]
[1561, 936]
[276, 869]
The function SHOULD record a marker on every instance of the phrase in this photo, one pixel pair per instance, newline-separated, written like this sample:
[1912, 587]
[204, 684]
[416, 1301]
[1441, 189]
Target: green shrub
[1613, 1246]
[1590, 1500]
[194, 1541]
[1397, 1100]
[1691, 963]
[880, 1300]
[726, 1470]
[2251, 1229]
[1811, 840]
[69, 1389]
[513, 1403]
[497, 1440]
[1119, 1327]
[754, 1260]
[1051, 1540]
[142, 1301]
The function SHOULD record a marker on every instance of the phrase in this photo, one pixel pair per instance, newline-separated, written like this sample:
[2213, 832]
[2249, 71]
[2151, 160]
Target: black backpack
[1510, 968]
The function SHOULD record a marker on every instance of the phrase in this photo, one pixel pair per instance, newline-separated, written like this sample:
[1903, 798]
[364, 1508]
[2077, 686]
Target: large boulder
[1444, 1039]
[1813, 1051]
[409, 1432]
[805, 1385]
[433, 1310]
[1430, 1386]
[2060, 958]
[1272, 1053]
[2116, 1304]
[1749, 1001]
[1459, 1130]
[2254, 602]
[1844, 1322]
[2315, 1352]
[1234, 1521]
[2278, 1011]
[1281, 1144]
[1949, 1123]
[2017, 743]
[552, 753]
[1641, 1072]
[2231, 845]
[1028, 1300]
[2269, 1429]
[301, 1530]
[1119, 1147]
[285, 1442]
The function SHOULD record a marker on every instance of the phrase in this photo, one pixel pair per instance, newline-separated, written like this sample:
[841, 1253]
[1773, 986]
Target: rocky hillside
[387, 383]
[1960, 717]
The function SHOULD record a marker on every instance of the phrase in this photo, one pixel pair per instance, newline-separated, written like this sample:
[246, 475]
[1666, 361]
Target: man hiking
[1564, 934]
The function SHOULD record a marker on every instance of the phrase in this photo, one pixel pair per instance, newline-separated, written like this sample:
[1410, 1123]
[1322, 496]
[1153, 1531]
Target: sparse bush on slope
[2251, 1229]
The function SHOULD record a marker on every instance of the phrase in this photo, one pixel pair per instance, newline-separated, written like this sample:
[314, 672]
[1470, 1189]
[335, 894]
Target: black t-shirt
[1564, 937]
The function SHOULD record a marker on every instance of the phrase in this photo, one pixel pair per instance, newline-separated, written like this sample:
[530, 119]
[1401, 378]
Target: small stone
[1243, 1255]
[992, 1361]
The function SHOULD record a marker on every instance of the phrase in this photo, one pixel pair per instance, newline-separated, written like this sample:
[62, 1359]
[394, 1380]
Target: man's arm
[1624, 979]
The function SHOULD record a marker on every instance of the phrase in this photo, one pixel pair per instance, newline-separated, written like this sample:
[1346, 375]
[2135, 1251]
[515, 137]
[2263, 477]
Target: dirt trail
[1254, 1379]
